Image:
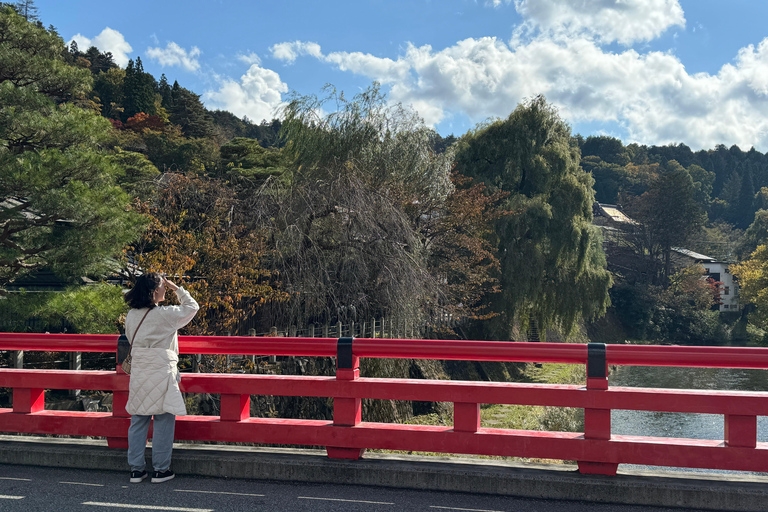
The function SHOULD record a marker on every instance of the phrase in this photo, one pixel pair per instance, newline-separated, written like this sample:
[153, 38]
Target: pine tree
[61, 207]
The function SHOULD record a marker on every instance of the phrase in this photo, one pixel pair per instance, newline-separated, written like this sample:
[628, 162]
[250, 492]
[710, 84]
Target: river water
[670, 424]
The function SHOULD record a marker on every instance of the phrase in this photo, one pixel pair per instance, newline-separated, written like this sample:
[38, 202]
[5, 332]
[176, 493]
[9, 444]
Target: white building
[717, 270]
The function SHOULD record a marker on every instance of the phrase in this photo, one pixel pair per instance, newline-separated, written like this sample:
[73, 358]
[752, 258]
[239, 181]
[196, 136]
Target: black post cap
[344, 353]
[596, 367]
[123, 348]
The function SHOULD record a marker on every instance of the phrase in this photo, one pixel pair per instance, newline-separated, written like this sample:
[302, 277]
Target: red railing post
[347, 412]
[120, 398]
[740, 431]
[28, 400]
[597, 422]
[235, 407]
[466, 417]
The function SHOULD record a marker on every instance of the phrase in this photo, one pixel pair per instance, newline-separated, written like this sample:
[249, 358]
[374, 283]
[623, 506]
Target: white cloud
[249, 59]
[258, 94]
[386, 70]
[109, 40]
[175, 55]
[290, 51]
[625, 21]
[650, 95]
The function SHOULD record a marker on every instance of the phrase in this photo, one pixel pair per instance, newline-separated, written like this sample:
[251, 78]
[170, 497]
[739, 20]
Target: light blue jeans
[162, 441]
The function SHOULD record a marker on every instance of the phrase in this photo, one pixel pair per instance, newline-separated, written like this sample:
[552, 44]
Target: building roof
[694, 255]
[614, 213]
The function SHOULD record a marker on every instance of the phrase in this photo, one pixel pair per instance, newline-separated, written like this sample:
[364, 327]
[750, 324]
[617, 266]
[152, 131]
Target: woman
[154, 386]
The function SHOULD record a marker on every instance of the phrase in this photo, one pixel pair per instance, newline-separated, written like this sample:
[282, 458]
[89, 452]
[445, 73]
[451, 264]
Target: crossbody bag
[126, 366]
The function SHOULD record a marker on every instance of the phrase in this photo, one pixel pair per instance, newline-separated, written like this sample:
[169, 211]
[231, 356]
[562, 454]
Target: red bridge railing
[596, 450]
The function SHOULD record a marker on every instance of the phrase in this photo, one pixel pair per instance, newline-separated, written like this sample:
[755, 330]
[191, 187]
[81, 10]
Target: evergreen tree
[189, 113]
[608, 149]
[109, 88]
[27, 9]
[755, 235]
[60, 204]
[165, 92]
[553, 269]
[245, 158]
[138, 90]
[669, 212]
[99, 61]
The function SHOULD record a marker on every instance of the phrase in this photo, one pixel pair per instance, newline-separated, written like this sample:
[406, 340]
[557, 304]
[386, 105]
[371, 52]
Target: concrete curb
[664, 489]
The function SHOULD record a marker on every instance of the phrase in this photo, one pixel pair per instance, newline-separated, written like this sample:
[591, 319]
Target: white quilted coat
[154, 385]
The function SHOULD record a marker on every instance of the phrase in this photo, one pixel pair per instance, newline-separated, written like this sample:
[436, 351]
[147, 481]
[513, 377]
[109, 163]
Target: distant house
[612, 221]
[717, 270]
[610, 215]
[616, 225]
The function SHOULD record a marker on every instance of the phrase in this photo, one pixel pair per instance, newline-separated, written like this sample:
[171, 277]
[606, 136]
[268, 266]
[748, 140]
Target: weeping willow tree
[553, 269]
[346, 215]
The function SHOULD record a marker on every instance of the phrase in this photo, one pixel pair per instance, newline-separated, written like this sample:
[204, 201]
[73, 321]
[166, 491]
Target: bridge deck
[700, 491]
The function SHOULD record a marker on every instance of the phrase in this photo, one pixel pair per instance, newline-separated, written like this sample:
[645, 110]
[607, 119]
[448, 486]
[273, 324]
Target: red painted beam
[69, 423]
[59, 342]
[317, 347]
[63, 379]
[647, 399]
[703, 357]
[471, 350]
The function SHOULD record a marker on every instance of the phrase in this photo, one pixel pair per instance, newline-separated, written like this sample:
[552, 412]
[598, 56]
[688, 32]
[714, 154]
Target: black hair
[142, 293]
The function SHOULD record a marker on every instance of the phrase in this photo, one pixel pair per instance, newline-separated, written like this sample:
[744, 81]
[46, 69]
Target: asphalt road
[32, 489]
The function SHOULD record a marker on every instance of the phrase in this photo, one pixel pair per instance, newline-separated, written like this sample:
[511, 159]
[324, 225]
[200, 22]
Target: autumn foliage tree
[462, 251]
[196, 237]
[753, 284]
[142, 121]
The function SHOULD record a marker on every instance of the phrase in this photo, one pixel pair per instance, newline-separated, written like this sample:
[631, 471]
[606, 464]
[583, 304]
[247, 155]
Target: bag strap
[137, 330]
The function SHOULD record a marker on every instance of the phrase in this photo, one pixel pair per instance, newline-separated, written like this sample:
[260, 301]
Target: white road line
[19, 479]
[465, 509]
[6, 497]
[221, 492]
[83, 483]
[146, 507]
[348, 501]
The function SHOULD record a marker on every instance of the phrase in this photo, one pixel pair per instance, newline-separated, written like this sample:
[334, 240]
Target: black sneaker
[162, 476]
[138, 476]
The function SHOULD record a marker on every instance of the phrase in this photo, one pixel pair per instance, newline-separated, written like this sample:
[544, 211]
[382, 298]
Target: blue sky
[646, 71]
